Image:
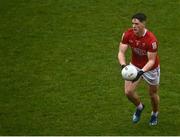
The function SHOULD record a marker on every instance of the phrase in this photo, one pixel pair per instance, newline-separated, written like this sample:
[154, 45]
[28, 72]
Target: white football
[129, 72]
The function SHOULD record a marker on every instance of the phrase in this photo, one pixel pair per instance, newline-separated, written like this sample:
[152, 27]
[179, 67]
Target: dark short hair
[140, 16]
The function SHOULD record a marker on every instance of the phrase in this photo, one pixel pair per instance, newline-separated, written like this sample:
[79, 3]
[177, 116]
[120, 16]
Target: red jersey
[140, 46]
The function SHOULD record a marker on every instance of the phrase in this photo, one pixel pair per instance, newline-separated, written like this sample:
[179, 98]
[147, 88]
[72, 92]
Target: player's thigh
[130, 86]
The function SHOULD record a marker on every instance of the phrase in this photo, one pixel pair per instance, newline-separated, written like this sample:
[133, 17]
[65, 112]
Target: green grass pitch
[59, 72]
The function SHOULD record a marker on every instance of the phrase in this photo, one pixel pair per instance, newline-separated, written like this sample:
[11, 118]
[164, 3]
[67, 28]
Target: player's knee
[152, 94]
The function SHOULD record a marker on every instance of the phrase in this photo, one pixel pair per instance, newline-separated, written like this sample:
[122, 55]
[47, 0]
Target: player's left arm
[151, 61]
[148, 66]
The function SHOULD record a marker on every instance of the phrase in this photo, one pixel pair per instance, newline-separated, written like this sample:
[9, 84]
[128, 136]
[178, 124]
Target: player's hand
[122, 66]
[140, 73]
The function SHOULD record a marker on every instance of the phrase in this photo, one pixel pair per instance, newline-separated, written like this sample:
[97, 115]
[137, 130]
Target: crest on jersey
[130, 41]
[154, 45]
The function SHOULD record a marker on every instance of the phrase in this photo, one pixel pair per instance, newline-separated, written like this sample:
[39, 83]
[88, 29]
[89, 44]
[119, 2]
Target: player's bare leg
[134, 98]
[153, 92]
[130, 92]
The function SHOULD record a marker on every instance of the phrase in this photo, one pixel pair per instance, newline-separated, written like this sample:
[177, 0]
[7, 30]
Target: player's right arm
[121, 55]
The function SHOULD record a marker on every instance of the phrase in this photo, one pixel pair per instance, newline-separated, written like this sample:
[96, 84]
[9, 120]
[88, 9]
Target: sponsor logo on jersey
[140, 51]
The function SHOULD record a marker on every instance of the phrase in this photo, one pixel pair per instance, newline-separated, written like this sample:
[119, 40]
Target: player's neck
[141, 33]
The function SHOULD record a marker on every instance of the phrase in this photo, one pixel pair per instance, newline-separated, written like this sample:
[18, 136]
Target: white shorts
[152, 77]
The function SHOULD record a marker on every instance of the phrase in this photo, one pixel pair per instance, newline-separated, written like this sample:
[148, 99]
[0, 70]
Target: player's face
[138, 27]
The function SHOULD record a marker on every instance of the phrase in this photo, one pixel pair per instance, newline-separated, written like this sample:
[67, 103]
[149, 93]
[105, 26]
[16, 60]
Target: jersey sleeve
[124, 39]
[153, 45]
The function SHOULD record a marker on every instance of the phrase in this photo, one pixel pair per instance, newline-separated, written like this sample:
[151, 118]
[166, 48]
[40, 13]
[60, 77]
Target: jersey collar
[144, 33]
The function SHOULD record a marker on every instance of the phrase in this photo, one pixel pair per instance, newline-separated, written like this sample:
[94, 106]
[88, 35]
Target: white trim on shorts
[152, 77]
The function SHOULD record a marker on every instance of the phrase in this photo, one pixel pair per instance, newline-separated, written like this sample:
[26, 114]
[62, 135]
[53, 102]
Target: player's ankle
[140, 106]
[155, 113]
